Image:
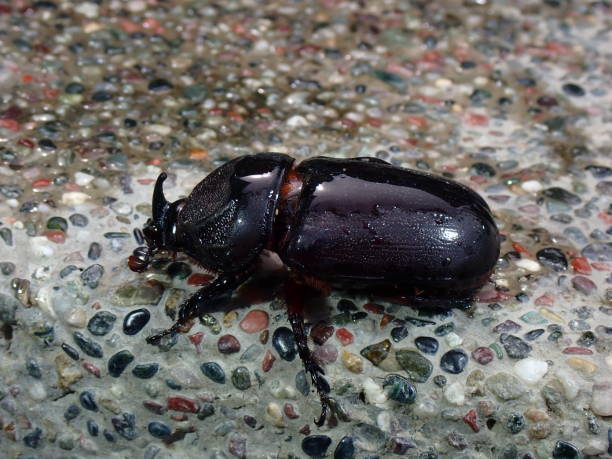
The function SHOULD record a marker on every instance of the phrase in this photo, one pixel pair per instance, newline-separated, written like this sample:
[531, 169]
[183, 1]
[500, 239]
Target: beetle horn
[159, 200]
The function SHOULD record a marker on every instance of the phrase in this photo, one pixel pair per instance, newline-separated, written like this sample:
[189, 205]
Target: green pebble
[498, 350]
[241, 378]
[57, 223]
[533, 318]
[412, 362]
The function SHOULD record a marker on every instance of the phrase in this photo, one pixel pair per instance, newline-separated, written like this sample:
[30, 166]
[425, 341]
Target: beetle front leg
[295, 305]
[202, 301]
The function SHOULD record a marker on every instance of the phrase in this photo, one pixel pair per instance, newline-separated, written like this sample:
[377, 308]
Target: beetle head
[159, 230]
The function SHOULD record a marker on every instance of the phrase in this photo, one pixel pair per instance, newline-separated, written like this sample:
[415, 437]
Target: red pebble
[199, 279]
[386, 318]
[601, 266]
[305, 430]
[474, 119]
[471, 419]
[59, 237]
[290, 411]
[374, 308]
[519, 248]
[577, 350]
[90, 367]
[255, 321]
[545, 300]
[196, 339]
[321, 332]
[581, 265]
[179, 417]
[344, 336]
[41, 183]
[154, 407]
[11, 125]
[268, 360]
[483, 355]
[179, 403]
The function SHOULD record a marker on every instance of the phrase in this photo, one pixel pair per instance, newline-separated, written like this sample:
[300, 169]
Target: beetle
[359, 224]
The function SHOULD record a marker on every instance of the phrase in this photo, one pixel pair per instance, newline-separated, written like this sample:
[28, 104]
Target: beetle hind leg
[294, 297]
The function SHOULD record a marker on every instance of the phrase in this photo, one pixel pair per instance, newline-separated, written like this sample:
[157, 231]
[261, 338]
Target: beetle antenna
[159, 200]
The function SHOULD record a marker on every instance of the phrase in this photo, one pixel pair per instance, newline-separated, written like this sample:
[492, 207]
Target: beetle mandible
[357, 223]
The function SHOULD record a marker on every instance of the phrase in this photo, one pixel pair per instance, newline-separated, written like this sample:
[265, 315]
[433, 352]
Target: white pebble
[455, 394]
[82, 179]
[74, 198]
[602, 398]
[374, 393]
[37, 391]
[274, 415]
[160, 129]
[530, 370]
[41, 247]
[529, 265]
[569, 383]
[531, 186]
[453, 339]
[443, 83]
[87, 9]
[297, 121]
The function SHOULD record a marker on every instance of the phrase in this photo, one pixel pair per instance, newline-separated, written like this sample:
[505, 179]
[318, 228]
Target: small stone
[531, 370]
[95, 250]
[32, 439]
[7, 268]
[119, 362]
[180, 403]
[78, 220]
[345, 448]
[145, 370]
[328, 353]
[454, 361]
[444, 329]
[552, 258]
[284, 343]
[125, 425]
[159, 430]
[412, 362]
[92, 275]
[57, 223]
[213, 371]
[574, 90]
[601, 403]
[316, 445]
[584, 285]
[565, 450]
[237, 445]
[301, 383]
[455, 394]
[515, 347]
[598, 251]
[562, 195]
[399, 333]
[255, 321]
[505, 386]
[376, 353]
[457, 441]
[71, 412]
[160, 85]
[515, 423]
[399, 389]
[241, 378]
[440, 380]
[228, 344]
[508, 326]
[138, 293]
[135, 321]
[320, 333]
[87, 345]
[352, 362]
[101, 323]
[483, 355]
[344, 336]
[374, 394]
[427, 344]
[88, 401]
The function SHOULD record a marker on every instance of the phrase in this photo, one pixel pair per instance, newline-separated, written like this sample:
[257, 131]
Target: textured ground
[511, 98]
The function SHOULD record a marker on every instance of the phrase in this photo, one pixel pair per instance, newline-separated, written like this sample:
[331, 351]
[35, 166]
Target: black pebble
[71, 412]
[316, 445]
[135, 321]
[552, 258]
[119, 362]
[70, 351]
[159, 85]
[145, 370]
[572, 89]
[454, 361]
[399, 333]
[565, 450]
[92, 428]
[87, 345]
[88, 401]
[125, 425]
[427, 344]
[32, 440]
[101, 323]
[345, 449]
[284, 343]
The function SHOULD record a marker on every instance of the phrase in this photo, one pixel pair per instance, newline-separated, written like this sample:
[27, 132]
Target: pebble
[255, 321]
[414, 364]
[101, 323]
[531, 370]
[455, 394]
[88, 401]
[454, 361]
[552, 258]
[601, 402]
[321, 332]
[399, 333]
[241, 378]
[91, 276]
[352, 362]
[584, 285]
[135, 321]
[565, 450]
[399, 389]
[159, 430]
[94, 252]
[574, 90]
[316, 445]
[119, 362]
[228, 344]
[505, 386]
[284, 343]
[483, 355]
[78, 220]
[145, 370]
[377, 352]
[213, 371]
[125, 425]
[345, 448]
[515, 347]
[427, 344]
[87, 345]
[598, 251]
[32, 439]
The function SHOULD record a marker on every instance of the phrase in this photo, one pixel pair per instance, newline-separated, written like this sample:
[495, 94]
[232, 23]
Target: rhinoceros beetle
[358, 223]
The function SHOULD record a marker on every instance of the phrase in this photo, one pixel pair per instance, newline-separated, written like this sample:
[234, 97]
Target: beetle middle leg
[203, 301]
[295, 304]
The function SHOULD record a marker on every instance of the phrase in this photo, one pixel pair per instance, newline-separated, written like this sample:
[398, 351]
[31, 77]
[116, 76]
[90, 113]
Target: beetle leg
[203, 301]
[295, 304]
